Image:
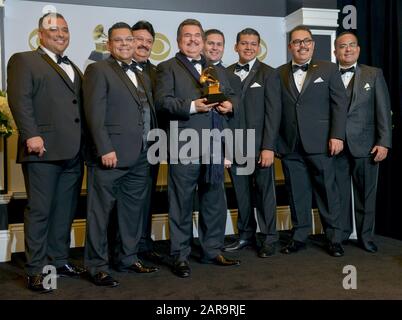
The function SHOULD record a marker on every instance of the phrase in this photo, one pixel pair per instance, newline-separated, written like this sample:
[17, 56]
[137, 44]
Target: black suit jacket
[317, 113]
[260, 105]
[369, 117]
[44, 102]
[112, 109]
[175, 90]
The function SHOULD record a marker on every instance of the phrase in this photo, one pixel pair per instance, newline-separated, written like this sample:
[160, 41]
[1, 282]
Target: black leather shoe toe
[35, 283]
[293, 246]
[267, 250]
[139, 267]
[335, 249]
[221, 260]
[69, 270]
[104, 279]
[370, 247]
[181, 269]
[237, 245]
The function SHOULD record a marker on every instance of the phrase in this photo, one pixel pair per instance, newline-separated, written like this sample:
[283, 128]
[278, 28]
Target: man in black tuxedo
[260, 110]
[312, 131]
[144, 36]
[120, 113]
[44, 92]
[178, 95]
[368, 138]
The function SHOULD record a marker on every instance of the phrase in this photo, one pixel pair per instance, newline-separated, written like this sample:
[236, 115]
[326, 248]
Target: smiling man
[368, 138]
[259, 110]
[312, 131]
[119, 111]
[44, 92]
[179, 96]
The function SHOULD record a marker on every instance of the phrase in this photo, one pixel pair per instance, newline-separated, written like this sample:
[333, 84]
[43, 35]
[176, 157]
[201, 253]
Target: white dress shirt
[347, 76]
[242, 74]
[299, 76]
[130, 74]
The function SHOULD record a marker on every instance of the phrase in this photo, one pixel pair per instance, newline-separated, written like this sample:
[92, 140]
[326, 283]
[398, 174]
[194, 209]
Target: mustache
[142, 47]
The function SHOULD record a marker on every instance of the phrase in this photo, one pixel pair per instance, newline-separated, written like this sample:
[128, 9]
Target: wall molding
[12, 240]
[312, 17]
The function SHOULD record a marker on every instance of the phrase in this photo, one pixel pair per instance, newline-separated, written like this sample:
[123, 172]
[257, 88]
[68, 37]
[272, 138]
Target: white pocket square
[318, 80]
[367, 87]
[255, 85]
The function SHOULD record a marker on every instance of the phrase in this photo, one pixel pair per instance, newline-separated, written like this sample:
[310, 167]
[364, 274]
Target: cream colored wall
[16, 180]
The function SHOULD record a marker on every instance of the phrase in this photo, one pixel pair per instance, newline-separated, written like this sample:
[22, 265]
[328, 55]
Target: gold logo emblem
[263, 51]
[33, 39]
[161, 47]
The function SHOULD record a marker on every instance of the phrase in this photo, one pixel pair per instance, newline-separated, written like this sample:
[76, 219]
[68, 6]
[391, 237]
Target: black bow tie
[351, 69]
[194, 61]
[239, 67]
[132, 66]
[296, 67]
[61, 59]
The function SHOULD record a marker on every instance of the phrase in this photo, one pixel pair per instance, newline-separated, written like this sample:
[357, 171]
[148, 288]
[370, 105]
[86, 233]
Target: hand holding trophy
[212, 89]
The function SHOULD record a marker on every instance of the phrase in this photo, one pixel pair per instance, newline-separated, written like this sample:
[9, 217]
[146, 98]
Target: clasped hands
[223, 107]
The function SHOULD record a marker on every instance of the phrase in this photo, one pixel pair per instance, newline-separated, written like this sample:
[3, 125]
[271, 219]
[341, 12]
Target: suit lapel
[309, 76]
[289, 81]
[183, 61]
[356, 83]
[56, 67]
[250, 76]
[123, 76]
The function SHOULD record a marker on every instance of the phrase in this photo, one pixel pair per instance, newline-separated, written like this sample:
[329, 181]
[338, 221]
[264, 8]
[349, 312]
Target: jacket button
[75, 101]
[297, 104]
[76, 120]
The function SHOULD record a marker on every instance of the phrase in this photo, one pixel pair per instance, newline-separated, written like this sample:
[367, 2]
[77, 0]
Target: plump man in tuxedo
[368, 138]
[44, 92]
[260, 109]
[312, 131]
[179, 96]
[120, 113]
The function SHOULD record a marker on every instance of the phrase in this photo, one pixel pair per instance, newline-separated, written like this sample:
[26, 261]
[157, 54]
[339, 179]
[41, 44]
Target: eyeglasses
[121, 40]
[352, 45]
[297, 42]
[143, 40]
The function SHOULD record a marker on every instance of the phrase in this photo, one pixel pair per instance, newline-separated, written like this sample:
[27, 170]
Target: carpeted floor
[309, 274]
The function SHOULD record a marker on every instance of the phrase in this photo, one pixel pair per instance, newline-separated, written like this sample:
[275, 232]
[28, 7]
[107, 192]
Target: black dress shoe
[152, 256]
[293, 246]
[139, 267]
[370, 246]
[220, 260]
[69, 270]
[335, 249]
[267, 250]
[237, 245]
[181, 269]
[104, 279]
[35, 283]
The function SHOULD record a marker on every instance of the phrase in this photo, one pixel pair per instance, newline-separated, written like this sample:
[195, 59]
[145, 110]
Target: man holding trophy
[182, 98]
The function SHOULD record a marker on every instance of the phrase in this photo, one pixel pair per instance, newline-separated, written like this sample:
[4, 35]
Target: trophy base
[216, 97]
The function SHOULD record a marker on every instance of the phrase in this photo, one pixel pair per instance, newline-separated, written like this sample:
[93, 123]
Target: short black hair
[144, 25]
[248, 31]
[52, 15]
[190, 22]
[344, 33]
[300, 28]
[117, 25]
[215, 31]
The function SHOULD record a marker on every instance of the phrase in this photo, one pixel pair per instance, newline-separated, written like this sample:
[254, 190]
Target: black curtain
[379, 30]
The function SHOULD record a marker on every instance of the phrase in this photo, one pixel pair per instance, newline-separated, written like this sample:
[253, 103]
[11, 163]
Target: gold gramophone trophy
[212, 89]
[100, 38]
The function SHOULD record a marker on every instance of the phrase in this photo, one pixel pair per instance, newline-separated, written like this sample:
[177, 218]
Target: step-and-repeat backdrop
[89, 25]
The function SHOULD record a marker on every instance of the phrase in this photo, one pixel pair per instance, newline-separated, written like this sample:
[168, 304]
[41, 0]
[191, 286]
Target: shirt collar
[353, 65]
[51, 54]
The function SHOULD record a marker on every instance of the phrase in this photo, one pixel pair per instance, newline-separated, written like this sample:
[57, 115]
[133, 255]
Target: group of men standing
[324, 126]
